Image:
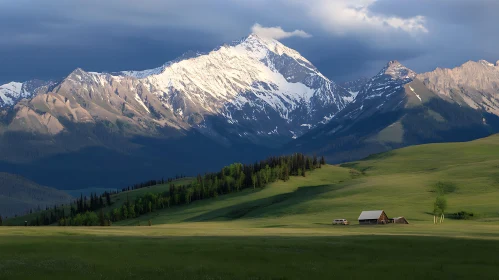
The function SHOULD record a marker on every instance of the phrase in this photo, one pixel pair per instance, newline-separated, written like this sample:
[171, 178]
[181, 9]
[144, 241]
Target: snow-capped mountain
[256, 84]
[355, 86]
[12, 92]
[397, 108]
[384, 91]
[234, 103]
[253, 89]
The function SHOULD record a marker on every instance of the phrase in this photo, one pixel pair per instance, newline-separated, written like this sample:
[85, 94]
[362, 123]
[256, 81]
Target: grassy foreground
[283, 231]
[210, 251]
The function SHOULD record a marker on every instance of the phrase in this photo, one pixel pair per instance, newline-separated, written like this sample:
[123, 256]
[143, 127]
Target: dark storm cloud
[472, 12]
[48, 39]
[459, 30]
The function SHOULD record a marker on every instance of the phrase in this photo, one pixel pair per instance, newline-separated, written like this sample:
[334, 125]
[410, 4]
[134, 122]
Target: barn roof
[370, 215]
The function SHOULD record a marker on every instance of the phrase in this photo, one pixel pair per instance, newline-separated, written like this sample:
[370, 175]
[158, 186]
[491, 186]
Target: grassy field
[219, 250]
[400, 182]
[284, 230]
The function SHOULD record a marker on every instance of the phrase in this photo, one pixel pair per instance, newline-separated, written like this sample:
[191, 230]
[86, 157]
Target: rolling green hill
[401, 182]
[284, 231]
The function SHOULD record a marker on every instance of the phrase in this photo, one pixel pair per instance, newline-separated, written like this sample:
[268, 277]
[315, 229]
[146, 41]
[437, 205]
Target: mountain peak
[393, 62]
[78, 71]
[256, 37]
[397, 71]
[472, 65]
[253, 36]
[485, 63]
[256, 41]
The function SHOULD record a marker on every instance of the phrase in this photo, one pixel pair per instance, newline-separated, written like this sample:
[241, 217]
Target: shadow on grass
[248, 257]
[252, 208]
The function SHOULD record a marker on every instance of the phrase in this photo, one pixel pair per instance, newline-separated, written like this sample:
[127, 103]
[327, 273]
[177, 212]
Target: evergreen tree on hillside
[85, 204]
[108, 198]
[102, 219]
[1, 222]
[233, 178]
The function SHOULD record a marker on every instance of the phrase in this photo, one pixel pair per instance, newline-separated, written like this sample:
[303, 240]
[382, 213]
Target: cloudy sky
[343, 38]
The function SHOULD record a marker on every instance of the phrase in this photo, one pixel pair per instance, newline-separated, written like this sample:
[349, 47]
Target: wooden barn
[399, 220]
[373, 217]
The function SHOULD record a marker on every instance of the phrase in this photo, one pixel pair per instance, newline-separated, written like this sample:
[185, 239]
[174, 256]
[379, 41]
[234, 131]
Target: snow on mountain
[11, 92]
[397, 108]
[355, 86]
[381, 92]
[246, 82]
[255, 88]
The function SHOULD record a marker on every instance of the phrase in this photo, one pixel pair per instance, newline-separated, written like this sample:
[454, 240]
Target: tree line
[89, 211]
[151, 183]
[233, 178]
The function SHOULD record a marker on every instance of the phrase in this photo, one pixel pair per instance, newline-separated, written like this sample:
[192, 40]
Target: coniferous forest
[233, 178]
[97, 210]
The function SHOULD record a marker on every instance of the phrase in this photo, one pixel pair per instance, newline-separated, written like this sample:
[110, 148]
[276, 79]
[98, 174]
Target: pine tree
[102, 219]
[108, 199]
[79, 208]
[323, 161]
[1, 222]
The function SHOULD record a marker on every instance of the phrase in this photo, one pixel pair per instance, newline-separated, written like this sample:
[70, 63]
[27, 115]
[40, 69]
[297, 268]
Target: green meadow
[401, 182]
[284, 230]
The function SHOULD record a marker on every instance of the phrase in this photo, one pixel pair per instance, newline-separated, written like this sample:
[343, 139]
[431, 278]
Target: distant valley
[19, 195]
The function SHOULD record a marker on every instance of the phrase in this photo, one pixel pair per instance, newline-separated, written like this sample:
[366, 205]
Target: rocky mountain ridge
[257, 87]
[240, 102]
[398, 107]
[475, 84]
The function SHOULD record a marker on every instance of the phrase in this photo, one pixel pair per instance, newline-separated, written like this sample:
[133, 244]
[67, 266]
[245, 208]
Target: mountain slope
[18, 195]
[235, 103]
[255, 90]
[231, 104]
[257, 85]
[394, 109]
[475, 84]
[355, 86]
[13, 92]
